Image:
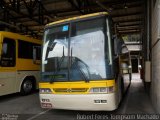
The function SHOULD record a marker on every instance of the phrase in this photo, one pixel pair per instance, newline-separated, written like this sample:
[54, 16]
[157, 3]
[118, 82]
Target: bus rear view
[77, 65]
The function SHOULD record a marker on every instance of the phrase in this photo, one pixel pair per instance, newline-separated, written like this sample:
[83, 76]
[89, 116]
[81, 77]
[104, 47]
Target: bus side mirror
[0, 50]
[124, 50]
[36, 54]
[116, 47]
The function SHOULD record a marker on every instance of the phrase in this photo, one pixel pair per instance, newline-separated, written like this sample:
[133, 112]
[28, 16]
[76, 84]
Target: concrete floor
[136, 101]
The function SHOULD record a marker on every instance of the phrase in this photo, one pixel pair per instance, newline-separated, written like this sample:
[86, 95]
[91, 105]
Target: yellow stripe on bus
[81, 85]
[78, 17]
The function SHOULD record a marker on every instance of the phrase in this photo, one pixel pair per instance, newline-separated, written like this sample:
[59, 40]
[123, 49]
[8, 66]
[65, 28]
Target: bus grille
[70, 90]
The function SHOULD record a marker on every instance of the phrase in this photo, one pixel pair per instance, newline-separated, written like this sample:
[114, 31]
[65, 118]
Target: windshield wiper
[61, 61]
[79, 68]
[52, 45]
[83, 74]
[58, 66]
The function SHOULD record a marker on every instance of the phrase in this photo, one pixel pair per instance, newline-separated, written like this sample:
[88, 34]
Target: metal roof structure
[30, 16]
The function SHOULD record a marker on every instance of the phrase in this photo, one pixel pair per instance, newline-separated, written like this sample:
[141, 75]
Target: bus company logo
[69, 90]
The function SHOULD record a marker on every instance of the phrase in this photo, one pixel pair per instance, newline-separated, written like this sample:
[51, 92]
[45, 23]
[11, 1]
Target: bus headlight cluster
[102, 89]
[45, 91]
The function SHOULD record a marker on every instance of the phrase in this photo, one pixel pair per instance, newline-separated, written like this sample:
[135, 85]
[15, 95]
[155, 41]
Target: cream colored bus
[18, 71]
[84, 67]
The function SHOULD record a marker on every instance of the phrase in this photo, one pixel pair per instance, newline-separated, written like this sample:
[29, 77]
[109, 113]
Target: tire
[27, 87]
[122, 87]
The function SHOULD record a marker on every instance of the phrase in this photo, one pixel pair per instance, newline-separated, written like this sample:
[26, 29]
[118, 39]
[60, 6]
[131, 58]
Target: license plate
[46, 105]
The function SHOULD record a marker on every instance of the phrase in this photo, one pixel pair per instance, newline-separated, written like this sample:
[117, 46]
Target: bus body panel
[81, 84]
[30, 66]
[21, 75]
[10, 82]
[80, 101]
[7, 82]
[125, 71]
[16, 36]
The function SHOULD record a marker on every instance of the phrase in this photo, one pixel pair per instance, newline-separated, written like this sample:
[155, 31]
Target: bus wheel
[122, 87]
[27, 87]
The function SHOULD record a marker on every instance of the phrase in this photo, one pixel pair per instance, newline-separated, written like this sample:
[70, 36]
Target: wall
[155, 55]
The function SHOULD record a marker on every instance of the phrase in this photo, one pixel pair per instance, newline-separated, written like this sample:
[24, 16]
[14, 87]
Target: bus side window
[8, 53]
[36, 54]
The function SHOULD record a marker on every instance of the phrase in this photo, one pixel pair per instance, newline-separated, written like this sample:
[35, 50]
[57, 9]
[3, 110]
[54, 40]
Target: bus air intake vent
[70, 90]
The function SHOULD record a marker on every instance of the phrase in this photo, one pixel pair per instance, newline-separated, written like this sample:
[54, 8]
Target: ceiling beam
[127, 14]
[131, 24]
[116, 2]
[80, 7]
[71, 10]
[7, 7]
[101, 5]
[126, 31]
[76, 6]
[129, 20]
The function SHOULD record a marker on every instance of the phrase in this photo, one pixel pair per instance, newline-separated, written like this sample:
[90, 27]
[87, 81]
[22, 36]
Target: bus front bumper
[91, 102]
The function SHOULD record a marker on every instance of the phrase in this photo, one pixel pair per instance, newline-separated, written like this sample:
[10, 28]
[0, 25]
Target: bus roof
[19, 36]
[77, 17]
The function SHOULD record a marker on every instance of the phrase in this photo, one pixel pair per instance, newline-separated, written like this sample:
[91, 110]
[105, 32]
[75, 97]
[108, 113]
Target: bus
[18, 71]
[84, 66]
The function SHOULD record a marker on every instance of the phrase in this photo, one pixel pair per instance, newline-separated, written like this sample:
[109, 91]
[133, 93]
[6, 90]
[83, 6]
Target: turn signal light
[102, 89]
[45, 91]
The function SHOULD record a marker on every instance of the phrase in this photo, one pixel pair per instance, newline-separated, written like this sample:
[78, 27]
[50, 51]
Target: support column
[148, 42]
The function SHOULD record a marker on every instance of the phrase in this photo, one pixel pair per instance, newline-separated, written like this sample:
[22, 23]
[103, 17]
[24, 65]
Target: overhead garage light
[55, 16]
[125, 6]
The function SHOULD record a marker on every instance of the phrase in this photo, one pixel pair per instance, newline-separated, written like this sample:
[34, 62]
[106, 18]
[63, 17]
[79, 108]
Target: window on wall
[25, 49]
[8, 58]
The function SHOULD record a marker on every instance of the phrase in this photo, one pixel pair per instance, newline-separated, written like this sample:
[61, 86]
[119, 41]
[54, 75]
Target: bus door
[7, 66]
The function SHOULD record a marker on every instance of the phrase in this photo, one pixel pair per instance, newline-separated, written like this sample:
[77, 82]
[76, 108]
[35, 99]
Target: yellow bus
[18, 71]
[84, 67]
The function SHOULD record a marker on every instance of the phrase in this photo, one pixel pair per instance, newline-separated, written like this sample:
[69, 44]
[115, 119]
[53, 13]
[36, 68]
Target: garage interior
[137, 21]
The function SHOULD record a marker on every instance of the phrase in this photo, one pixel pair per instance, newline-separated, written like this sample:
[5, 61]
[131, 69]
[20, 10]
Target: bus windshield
[77, 51]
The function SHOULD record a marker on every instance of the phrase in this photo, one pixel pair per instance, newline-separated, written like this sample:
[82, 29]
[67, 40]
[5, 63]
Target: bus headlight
[45, 91]
[102, 89]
